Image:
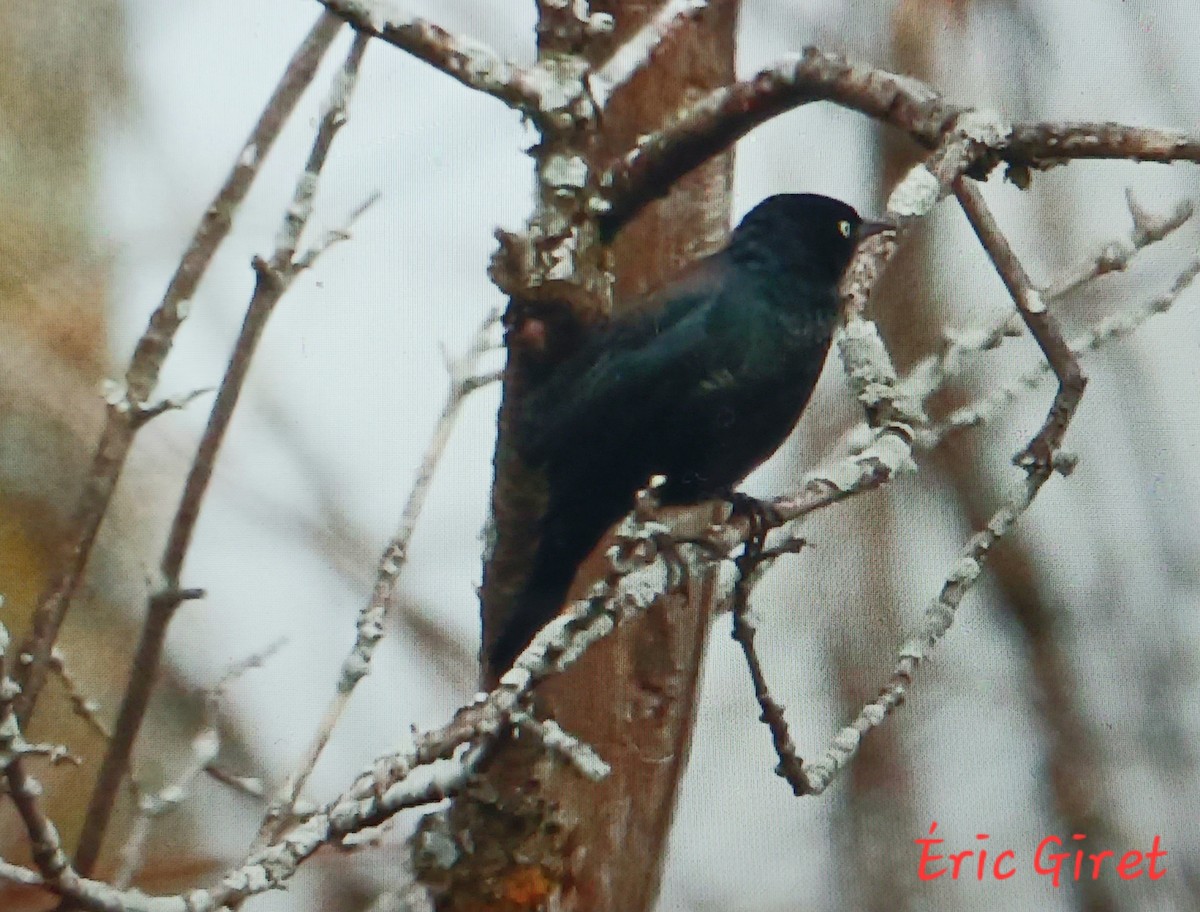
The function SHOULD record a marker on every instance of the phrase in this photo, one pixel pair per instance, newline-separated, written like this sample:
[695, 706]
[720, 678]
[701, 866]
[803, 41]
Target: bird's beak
[867, 229]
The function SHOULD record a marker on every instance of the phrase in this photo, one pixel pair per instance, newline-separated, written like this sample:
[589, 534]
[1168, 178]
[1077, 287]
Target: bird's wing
[627, 376]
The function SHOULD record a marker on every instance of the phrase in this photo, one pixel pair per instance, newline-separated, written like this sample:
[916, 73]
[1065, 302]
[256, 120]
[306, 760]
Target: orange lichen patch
[526, 888]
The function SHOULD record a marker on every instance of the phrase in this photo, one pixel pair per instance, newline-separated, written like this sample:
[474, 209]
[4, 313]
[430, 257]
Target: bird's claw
[763, 515]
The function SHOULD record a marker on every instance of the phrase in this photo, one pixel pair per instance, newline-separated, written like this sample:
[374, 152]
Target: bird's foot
[763, 515]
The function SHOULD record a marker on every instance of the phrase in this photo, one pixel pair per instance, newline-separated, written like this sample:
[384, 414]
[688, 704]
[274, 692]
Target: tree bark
[539, 833]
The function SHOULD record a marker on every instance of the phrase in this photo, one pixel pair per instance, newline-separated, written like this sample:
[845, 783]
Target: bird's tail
[567, 538]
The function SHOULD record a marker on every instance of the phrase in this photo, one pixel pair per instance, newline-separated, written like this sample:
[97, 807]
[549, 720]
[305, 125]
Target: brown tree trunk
[539, 832]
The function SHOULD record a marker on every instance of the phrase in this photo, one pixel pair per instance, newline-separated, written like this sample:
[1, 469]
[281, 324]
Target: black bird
[700, 388]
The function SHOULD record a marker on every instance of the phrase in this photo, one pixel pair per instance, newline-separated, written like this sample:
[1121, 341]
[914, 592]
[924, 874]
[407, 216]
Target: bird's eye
[844, 228]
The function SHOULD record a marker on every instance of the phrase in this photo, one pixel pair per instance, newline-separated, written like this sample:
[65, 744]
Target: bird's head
[808, 235]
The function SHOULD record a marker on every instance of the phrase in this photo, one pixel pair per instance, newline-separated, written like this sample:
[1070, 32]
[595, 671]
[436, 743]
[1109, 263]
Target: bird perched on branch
[700, 388]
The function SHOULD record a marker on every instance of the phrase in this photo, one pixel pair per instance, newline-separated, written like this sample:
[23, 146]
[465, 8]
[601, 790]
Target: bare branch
[274, 279]
[373, 617]
[1038, 456]
[206, 746]
[636, 54]
[729, 113]
[1044, 144]
[23, 790]
[17, 874]
[55, 871]
[932, 372]
[1039, 459]
[1148, 229]
[529, 89]
[648, 171]
[586, 761]
[375, 796]
[81, 704]
[153, 805]
[151, 351]
[790, 767]
[1112, 328]
[250, 786]
[337, 235]
[937, 620]
[274, 865]
[171, 404]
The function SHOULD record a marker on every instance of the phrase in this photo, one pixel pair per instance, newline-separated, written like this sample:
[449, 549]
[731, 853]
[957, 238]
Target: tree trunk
[539, 833]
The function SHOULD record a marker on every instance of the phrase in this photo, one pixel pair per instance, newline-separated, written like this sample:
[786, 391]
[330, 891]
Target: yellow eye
[844, 228]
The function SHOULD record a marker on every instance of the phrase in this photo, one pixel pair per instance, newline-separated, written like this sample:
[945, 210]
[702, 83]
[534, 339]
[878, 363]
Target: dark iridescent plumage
[700, 388]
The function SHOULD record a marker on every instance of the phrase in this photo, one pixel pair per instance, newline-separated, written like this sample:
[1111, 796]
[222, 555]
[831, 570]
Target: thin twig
[551, 735]
[714, 123]
[115, 763]
[1114, 327]
[1038, 456]
[938, 617]
[250, 786]
[206, 746]
[790, 767]
[81, 704]
[636, 54]
[23, 790]
[472, 63]
[373, 617]
[1043, 145]
[934, 371]
[171, 404]
[153, 805]
[19, 875]
[1148, 229]
[274, 277]
[123, 413]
